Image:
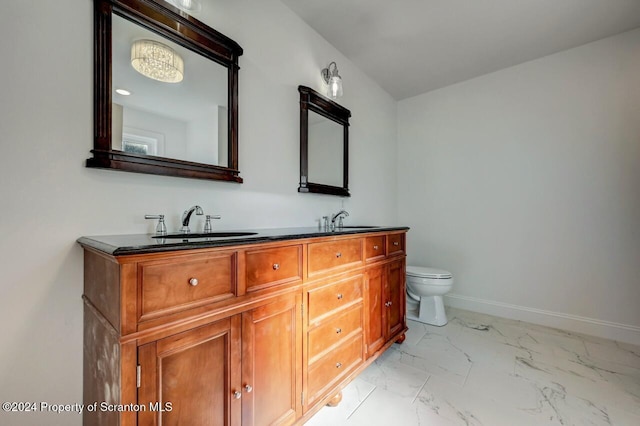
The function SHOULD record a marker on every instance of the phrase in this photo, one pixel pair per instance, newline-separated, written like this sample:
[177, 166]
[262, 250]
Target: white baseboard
[594, 327]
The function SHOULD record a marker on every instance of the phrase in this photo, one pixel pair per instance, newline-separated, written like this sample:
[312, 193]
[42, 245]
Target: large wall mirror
[324, 144]
[166, 92]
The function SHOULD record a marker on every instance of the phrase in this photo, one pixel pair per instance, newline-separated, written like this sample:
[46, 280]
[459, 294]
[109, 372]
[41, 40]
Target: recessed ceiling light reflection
[123, 92]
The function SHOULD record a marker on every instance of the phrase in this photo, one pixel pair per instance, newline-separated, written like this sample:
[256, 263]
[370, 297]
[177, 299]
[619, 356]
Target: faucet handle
[161, 228]
[207, 224]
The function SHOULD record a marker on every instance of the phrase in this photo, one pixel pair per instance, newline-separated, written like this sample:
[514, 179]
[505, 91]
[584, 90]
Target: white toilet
[425, 288]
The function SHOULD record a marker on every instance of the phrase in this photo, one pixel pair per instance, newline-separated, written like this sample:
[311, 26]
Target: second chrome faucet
[338, 216]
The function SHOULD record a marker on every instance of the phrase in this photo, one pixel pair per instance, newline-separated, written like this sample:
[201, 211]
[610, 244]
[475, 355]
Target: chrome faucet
[186, 217]
[342, 213]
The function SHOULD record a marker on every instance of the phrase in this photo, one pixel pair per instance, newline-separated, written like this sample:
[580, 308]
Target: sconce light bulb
[189, 6]
[333, 80]
[335, 87]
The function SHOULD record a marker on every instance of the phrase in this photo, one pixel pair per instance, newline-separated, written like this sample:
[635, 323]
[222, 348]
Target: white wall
[525, 183]
[49, 198]
[202, 136]
[171, 133]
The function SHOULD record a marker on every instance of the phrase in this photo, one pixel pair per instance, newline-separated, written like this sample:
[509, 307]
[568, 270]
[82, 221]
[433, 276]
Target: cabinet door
[394, 295]
[190, 378]
[375, 310]
[272, 362]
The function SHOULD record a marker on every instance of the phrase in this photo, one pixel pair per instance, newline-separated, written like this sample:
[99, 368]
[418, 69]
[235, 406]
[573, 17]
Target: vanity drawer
[374, 247]
[272, 266]
[326, 299]
[335, 329]
[395, 244]
[333, 366]
[329, 255]
[167, 286]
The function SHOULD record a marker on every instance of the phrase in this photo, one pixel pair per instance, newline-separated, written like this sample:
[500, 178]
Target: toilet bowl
[425, 288]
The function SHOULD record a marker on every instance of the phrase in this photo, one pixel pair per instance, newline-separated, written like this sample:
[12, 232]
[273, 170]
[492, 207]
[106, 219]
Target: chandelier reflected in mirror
[157, 61]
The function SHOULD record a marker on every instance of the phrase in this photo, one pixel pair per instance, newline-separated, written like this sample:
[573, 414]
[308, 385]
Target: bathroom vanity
[256, 329]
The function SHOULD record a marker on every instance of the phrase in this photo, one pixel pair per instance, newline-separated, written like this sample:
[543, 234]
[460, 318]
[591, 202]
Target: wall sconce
[157, 61]
[331, 77]
[189, 6]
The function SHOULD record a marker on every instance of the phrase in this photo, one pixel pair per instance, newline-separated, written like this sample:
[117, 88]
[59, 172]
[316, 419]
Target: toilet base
[430, 311]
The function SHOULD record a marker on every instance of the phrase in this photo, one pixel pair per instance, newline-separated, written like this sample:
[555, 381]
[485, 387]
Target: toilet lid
[420, 271]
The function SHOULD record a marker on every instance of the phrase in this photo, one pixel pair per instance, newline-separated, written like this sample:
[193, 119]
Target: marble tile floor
[485, 370]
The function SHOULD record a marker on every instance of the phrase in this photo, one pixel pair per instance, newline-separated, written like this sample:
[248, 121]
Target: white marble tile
[619, 353]
[418, 329]
[501, 387]
[603, 385]
[484, 370]
[390, 374]
[384, 408]
[548, 341]
[620, 417]
[559, 406]
[352, 396]
[463, 406]
[437, 354]
[635, 349]
[488, 353]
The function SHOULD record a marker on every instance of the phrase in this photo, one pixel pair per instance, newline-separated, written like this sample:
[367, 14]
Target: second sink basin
[205, 235]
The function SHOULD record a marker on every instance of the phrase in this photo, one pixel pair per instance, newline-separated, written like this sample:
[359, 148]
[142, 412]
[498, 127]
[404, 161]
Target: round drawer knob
[338, 364]
[338, 330]
[276, 266]
[237, 395]
[193, 281]
[248, 388]
[395, 243]
[375, 247]
[338, 254]
[339, 296]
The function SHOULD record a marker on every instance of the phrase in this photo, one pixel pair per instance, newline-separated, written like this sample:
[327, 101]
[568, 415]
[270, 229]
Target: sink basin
[354, 227]
[205, 235]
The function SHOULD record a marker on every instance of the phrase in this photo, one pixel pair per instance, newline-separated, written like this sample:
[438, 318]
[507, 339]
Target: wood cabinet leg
[400, 339]
[333, 402]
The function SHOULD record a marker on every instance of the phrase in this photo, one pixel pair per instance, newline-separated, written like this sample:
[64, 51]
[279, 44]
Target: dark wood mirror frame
[167, 21]
[314, 101]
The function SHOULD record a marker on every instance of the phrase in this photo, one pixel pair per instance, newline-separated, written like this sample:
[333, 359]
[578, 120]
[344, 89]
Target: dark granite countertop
[119, 245]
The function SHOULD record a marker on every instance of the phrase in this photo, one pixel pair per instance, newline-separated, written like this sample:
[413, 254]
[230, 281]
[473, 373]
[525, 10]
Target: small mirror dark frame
[162, 18]
[314, 101]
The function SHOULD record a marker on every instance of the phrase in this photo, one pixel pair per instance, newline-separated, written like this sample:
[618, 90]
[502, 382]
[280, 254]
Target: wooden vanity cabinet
[255, 334]
[271, 362]
[183, 335]
[394, 297]
[334, 338]
[385, 303]
[190, 376]
[223, 373]
[375, 309]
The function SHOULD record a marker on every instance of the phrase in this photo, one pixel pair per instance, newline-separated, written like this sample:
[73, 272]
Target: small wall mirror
[324, 144]
[177, 119]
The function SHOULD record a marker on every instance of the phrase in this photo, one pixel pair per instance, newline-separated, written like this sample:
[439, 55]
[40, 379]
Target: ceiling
[411, 47]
